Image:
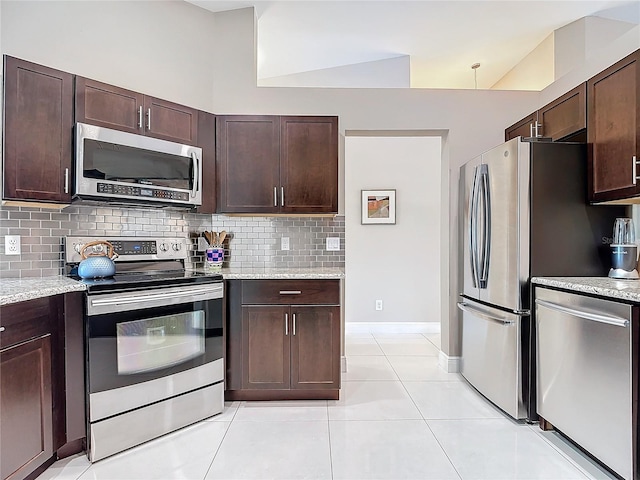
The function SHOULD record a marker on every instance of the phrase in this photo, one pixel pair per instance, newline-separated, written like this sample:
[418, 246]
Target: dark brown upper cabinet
[277, 164]
[38, 130]
[565, 116]
[562, 119]
[522, 128]
[207, 141]
[613, 131]
[113, 107]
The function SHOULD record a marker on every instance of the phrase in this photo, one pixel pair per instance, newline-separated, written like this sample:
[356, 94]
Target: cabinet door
[613, 130]
[566, 115]
[108, 106]
[522, 128]
[315, 347]
[26, 433]
[38, 132]
[207, 141]
[170, 121]
[309, 165]
[248, 152]
[266, 348]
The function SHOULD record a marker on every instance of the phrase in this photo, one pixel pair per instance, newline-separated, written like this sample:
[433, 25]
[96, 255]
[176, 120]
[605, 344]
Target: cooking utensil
[223, 235]
[208, 237]
[99, 263]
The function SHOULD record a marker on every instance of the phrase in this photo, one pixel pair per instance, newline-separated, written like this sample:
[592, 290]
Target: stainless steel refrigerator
[525, 213]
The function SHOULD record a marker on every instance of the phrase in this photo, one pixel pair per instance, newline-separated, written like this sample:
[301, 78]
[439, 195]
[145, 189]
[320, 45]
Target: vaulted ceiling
[424, 44]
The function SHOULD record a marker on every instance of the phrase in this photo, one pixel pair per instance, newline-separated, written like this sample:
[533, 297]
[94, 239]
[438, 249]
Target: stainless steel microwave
[130, 169]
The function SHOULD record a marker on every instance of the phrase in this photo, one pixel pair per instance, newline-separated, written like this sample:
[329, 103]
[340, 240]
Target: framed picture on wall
[378, 207]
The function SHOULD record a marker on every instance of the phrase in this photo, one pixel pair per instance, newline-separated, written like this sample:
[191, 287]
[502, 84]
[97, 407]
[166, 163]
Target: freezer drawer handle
[596, 317]
[465, 307]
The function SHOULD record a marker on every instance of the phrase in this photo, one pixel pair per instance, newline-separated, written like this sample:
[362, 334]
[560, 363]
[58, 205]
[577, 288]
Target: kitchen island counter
[627, 290]
[14, 290]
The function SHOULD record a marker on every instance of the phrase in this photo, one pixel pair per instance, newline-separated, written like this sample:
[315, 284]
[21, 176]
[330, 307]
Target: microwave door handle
[196, 174]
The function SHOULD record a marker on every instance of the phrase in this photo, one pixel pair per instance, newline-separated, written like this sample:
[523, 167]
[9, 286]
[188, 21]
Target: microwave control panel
[144, 192]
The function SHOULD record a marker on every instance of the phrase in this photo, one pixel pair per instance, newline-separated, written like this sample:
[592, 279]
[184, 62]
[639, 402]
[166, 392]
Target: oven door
[146, 346]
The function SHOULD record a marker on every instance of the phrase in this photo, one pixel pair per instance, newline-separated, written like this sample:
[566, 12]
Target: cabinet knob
[1, 329]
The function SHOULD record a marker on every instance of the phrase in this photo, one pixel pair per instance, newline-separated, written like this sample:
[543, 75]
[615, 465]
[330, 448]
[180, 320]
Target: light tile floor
[399, 417]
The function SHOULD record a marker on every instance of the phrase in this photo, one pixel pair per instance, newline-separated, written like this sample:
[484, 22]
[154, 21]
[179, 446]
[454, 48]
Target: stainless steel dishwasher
[585, 374]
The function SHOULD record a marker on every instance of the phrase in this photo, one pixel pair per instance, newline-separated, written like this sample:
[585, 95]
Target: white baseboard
[449, 364]
[391, 327]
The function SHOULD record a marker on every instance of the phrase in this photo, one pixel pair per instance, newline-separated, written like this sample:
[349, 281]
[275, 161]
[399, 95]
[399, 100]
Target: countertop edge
[628, 290]
[21, 290]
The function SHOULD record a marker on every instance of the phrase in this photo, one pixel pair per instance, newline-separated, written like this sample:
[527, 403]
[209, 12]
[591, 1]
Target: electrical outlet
[12, 245]
[378, 304]
[333, 243]
[284, 243]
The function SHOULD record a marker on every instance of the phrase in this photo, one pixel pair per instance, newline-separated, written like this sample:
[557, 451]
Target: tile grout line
[220, 445]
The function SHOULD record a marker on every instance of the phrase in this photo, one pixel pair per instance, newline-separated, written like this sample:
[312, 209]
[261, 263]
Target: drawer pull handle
[294, 323]
[286, 324]
[290, 292]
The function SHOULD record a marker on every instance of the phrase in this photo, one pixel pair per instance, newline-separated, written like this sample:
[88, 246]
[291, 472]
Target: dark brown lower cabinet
[42, 415]
[283, 351]
[26, 422]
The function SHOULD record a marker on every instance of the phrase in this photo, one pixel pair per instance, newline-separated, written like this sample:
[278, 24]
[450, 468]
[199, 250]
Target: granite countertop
[282, 273]
[14, 290]
[628, 290]
[21, 289]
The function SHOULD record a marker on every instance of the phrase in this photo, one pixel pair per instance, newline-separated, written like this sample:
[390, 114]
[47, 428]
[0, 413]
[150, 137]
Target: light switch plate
[284, 243]
[333, 243]
[12, 245]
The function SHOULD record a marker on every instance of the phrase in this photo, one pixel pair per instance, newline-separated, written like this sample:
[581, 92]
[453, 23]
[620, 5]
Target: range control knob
[177, 247]
[164, 247]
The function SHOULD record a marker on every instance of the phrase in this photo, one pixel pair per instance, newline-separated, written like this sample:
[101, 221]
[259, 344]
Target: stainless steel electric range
[154, 342]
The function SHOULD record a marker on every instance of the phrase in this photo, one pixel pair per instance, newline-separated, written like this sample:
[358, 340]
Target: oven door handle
[160, 297]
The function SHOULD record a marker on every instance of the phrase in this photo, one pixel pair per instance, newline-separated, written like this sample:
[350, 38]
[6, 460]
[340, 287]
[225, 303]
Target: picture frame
[378, 207]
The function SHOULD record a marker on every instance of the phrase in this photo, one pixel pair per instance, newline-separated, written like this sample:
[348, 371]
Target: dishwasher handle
[465, 307]
[595, 317]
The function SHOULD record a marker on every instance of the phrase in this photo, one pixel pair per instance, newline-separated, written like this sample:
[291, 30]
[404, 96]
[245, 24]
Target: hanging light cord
[475, 74]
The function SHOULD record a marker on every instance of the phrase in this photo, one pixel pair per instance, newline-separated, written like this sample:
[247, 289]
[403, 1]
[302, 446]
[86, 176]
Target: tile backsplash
[251, 241]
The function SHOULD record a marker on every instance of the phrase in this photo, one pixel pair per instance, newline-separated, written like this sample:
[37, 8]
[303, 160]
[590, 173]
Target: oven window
[156, 343]
[121, 163]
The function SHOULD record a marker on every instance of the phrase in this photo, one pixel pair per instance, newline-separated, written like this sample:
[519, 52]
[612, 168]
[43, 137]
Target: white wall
[401, 263]
[534, 72]
[163, 49]
[387, 73]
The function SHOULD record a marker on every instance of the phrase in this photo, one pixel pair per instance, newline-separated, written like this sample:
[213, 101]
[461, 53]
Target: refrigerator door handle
[594, 317]
[473, 227]
[486, 226]
[465, 307]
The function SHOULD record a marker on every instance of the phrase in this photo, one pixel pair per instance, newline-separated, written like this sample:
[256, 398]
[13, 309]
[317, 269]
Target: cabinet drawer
[291, 292]
[25, 320]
